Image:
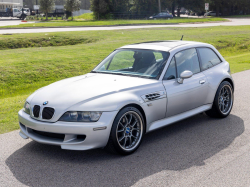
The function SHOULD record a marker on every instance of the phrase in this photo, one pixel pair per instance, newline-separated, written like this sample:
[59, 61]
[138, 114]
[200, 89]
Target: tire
[127, 132]
[223, 101]
[23, 17]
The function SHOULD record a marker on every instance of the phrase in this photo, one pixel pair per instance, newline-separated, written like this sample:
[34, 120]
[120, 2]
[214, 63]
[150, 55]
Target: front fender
[153, 110]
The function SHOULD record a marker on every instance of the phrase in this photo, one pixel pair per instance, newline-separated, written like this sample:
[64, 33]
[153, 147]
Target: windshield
[134, 62]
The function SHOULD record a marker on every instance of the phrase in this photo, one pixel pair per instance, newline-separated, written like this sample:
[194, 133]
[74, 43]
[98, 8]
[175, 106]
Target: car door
[165, 15]
[193, 92]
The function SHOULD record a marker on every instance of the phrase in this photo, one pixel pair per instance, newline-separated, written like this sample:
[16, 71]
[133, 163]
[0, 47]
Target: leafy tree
[145, 8]
[46, 6]
[100, 8]
[72, 5]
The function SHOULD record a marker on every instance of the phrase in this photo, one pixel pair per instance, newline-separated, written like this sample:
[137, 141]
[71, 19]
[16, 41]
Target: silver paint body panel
[94, 139]
[187, 96]
[110, 93]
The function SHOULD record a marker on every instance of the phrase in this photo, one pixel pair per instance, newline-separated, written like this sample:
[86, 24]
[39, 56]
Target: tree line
[104, 8]
[46, 6]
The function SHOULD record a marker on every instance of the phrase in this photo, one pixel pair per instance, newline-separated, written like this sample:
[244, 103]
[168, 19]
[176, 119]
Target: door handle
[202, 81]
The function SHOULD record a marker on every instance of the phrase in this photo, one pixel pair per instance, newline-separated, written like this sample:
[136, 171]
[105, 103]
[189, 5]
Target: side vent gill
[154, 96]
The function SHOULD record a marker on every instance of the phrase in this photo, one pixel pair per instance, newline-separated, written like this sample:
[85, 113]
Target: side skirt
[167, 121]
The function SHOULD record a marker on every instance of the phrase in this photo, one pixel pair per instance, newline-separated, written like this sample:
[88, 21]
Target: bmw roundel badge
[45, 103]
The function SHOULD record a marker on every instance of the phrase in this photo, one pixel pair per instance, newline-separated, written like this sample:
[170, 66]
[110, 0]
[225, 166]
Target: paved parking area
[10, 21]
[199, 151]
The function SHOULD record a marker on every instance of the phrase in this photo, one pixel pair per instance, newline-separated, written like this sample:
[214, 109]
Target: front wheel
[127, 131]
[223, 101]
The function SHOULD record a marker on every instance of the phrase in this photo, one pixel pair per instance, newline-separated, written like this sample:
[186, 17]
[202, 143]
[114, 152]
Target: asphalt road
[232, 22]
[6, 21]
[199, 151]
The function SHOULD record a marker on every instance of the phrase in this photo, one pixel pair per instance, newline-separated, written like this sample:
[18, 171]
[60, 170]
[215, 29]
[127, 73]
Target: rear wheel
[223, 101]
[126, 132]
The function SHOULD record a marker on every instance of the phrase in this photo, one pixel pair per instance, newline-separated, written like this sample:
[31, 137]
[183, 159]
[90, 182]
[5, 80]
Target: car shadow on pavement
[177, 147]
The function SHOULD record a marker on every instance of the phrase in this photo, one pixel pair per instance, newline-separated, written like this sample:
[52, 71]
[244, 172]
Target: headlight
[81, 116]
[151, 17]
[26, 107]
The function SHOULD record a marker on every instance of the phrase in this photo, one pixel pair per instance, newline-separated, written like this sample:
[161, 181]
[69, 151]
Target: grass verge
[45, 40]
[61, 23]
[24, 70]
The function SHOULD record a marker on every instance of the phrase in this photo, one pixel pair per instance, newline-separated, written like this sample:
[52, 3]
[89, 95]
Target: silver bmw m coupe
[138, 88]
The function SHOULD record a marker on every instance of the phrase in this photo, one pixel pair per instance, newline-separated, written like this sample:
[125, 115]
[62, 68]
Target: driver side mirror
[184, 75]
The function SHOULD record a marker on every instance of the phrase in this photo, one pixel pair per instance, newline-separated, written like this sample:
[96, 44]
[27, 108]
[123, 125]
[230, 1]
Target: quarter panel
[215, 76]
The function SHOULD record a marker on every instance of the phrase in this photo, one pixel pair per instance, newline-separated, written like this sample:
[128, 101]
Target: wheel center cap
[127, 130]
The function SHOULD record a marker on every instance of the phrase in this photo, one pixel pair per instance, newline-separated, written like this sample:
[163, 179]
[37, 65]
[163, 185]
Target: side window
[208, 58]
[171, 72]
[187, 60]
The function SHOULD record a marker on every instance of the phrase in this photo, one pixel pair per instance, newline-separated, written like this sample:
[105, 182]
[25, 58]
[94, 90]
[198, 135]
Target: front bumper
[68, 135]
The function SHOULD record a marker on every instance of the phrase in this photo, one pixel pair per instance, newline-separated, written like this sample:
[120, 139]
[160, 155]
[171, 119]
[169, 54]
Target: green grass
[24, 70]
[21, 41]
[86, 16]
[61, 23]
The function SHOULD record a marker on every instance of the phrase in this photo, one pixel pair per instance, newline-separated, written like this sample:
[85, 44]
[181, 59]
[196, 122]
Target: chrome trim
[40, 118]
[202, 81]
[32, 114]
[154, 96]
[51, 117]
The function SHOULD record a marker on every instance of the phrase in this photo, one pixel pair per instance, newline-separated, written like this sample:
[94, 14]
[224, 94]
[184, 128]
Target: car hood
[69, 92]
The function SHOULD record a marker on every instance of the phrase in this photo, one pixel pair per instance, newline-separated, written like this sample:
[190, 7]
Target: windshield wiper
[123, 74]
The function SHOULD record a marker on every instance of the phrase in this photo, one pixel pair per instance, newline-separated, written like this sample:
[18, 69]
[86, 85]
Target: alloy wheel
[225, 99]
[129, 131]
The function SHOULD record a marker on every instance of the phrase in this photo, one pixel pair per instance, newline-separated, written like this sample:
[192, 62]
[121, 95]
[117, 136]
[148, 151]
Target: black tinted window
[208, 58]
[187, 60]
[171, 72]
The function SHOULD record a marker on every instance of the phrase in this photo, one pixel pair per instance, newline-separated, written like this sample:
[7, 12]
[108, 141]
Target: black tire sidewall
[216, 104]
[114, 127]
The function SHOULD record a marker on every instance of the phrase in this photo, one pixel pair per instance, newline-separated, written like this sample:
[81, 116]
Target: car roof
[161, 45]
